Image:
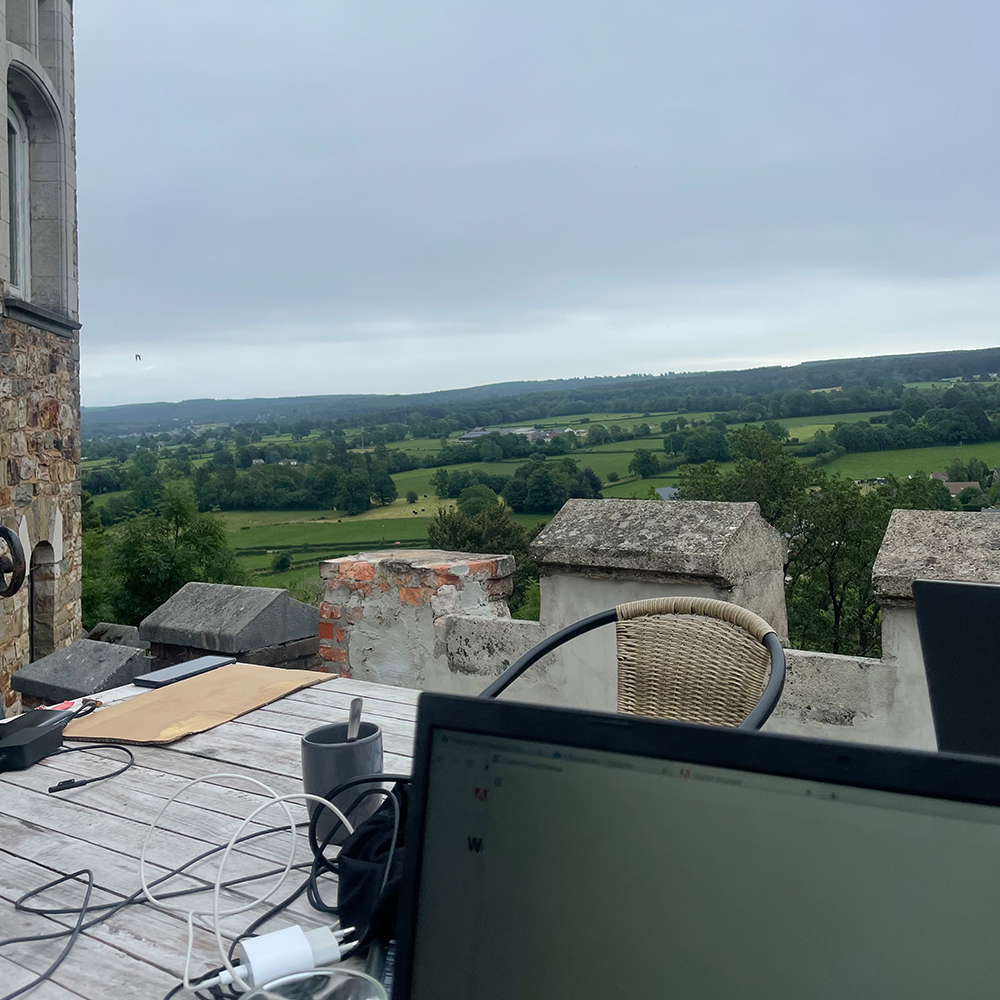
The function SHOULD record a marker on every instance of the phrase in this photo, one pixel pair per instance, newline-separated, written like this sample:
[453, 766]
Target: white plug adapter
[284, 952]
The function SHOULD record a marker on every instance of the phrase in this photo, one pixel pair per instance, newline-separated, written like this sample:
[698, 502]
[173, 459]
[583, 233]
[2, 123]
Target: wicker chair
[690, 659]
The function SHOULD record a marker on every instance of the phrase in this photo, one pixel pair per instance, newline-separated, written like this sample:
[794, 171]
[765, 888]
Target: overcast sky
[284, 198]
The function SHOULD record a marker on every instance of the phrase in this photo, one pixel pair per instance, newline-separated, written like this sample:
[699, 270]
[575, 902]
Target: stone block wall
[377, 619]
[39, 490]
[430, 620]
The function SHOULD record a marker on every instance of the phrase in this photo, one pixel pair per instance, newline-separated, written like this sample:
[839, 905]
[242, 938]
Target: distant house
[529, 432]
[473, 435]
[955, 488]
[668, 492]
[257, 461]
[940, 476]
[289, 461]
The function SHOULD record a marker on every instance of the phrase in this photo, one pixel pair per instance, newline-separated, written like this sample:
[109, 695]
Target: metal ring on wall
[12, 564]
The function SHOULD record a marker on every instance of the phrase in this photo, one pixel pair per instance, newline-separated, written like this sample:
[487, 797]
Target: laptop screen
[553, 872]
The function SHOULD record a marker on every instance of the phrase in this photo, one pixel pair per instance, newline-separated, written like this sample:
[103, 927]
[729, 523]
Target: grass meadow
[309, 536]
[873, 464]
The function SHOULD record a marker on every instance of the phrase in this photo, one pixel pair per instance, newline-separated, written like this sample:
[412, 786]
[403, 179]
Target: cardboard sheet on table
[162, 715]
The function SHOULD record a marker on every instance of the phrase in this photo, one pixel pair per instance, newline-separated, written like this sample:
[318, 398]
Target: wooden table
[140, 952]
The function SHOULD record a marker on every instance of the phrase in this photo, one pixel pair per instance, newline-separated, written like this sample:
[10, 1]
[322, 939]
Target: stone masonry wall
[379, 609]
[39, 487]
[424, 619]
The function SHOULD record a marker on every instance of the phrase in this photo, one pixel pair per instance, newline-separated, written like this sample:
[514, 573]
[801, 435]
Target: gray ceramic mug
[328, 760]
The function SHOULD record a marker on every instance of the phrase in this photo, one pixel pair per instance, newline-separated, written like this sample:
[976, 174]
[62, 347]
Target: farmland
[310, 535]
[873, 464]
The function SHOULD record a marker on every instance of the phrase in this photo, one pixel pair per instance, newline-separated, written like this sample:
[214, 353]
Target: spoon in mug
[354, 719]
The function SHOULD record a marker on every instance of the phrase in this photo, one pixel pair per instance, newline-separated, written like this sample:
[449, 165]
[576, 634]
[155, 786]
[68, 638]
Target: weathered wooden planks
[139, 952]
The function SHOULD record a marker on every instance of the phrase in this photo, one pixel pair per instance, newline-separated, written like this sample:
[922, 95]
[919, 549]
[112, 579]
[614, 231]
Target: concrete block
[935, 545]
[227, 619]
[698, 539]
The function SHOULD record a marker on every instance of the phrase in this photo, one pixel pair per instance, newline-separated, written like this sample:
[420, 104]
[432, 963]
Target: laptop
[959, 626]
[554, 854]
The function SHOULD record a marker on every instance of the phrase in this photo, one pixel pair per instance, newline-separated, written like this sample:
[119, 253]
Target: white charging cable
[282, 799]
[323, 946]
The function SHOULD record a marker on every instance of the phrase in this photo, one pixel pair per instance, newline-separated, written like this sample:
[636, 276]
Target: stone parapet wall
[850, 698]
[379, 608]
[429, 619]
[474, 651]
[39, 489]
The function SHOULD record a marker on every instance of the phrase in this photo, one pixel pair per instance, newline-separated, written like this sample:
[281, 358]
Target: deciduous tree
[153, 555]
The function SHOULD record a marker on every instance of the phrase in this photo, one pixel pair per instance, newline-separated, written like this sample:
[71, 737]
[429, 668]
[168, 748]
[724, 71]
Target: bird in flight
[138, 357]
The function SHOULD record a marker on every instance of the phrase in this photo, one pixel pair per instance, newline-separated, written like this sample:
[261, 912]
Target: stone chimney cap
[228, 619]
[936, 545]
[687, 538]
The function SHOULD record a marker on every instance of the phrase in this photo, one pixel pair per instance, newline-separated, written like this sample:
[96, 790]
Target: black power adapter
[27, 738]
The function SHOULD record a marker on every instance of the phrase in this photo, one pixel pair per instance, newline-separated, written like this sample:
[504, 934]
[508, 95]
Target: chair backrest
[691, 659]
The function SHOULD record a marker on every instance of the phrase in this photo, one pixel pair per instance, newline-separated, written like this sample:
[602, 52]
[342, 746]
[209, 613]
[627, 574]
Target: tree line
[528, 402]
[834, 529]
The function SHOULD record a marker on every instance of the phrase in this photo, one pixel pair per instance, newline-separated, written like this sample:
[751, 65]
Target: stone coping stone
[117, 635]
[228, 619]
[476, 565]
[687, 538]
[935, 545]
[84, 667]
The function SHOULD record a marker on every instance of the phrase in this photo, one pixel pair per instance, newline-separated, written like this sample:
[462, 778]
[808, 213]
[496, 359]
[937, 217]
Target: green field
[875, 464]
[309, 536]
[582, 419]
[101, 499]
[804, 428]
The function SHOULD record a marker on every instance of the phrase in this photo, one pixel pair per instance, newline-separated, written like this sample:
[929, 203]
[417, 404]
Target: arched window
[19, 285]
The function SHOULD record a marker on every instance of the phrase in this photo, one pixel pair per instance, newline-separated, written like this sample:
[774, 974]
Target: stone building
[39, 332]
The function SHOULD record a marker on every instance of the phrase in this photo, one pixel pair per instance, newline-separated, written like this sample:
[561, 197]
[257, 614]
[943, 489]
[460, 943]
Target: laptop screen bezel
[909, 772]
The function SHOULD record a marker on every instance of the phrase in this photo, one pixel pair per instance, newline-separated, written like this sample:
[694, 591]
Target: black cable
[80, 782]
[318, 866]
[73, 934]
[321, 864]
[137, 898]
[364, 779]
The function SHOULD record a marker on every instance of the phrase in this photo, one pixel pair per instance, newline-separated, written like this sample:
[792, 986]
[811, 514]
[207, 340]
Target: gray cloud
[282, 198]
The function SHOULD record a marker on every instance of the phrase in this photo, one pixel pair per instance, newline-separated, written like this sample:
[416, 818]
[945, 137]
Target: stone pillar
[925, 545]
[378, 616]
[595, 554]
